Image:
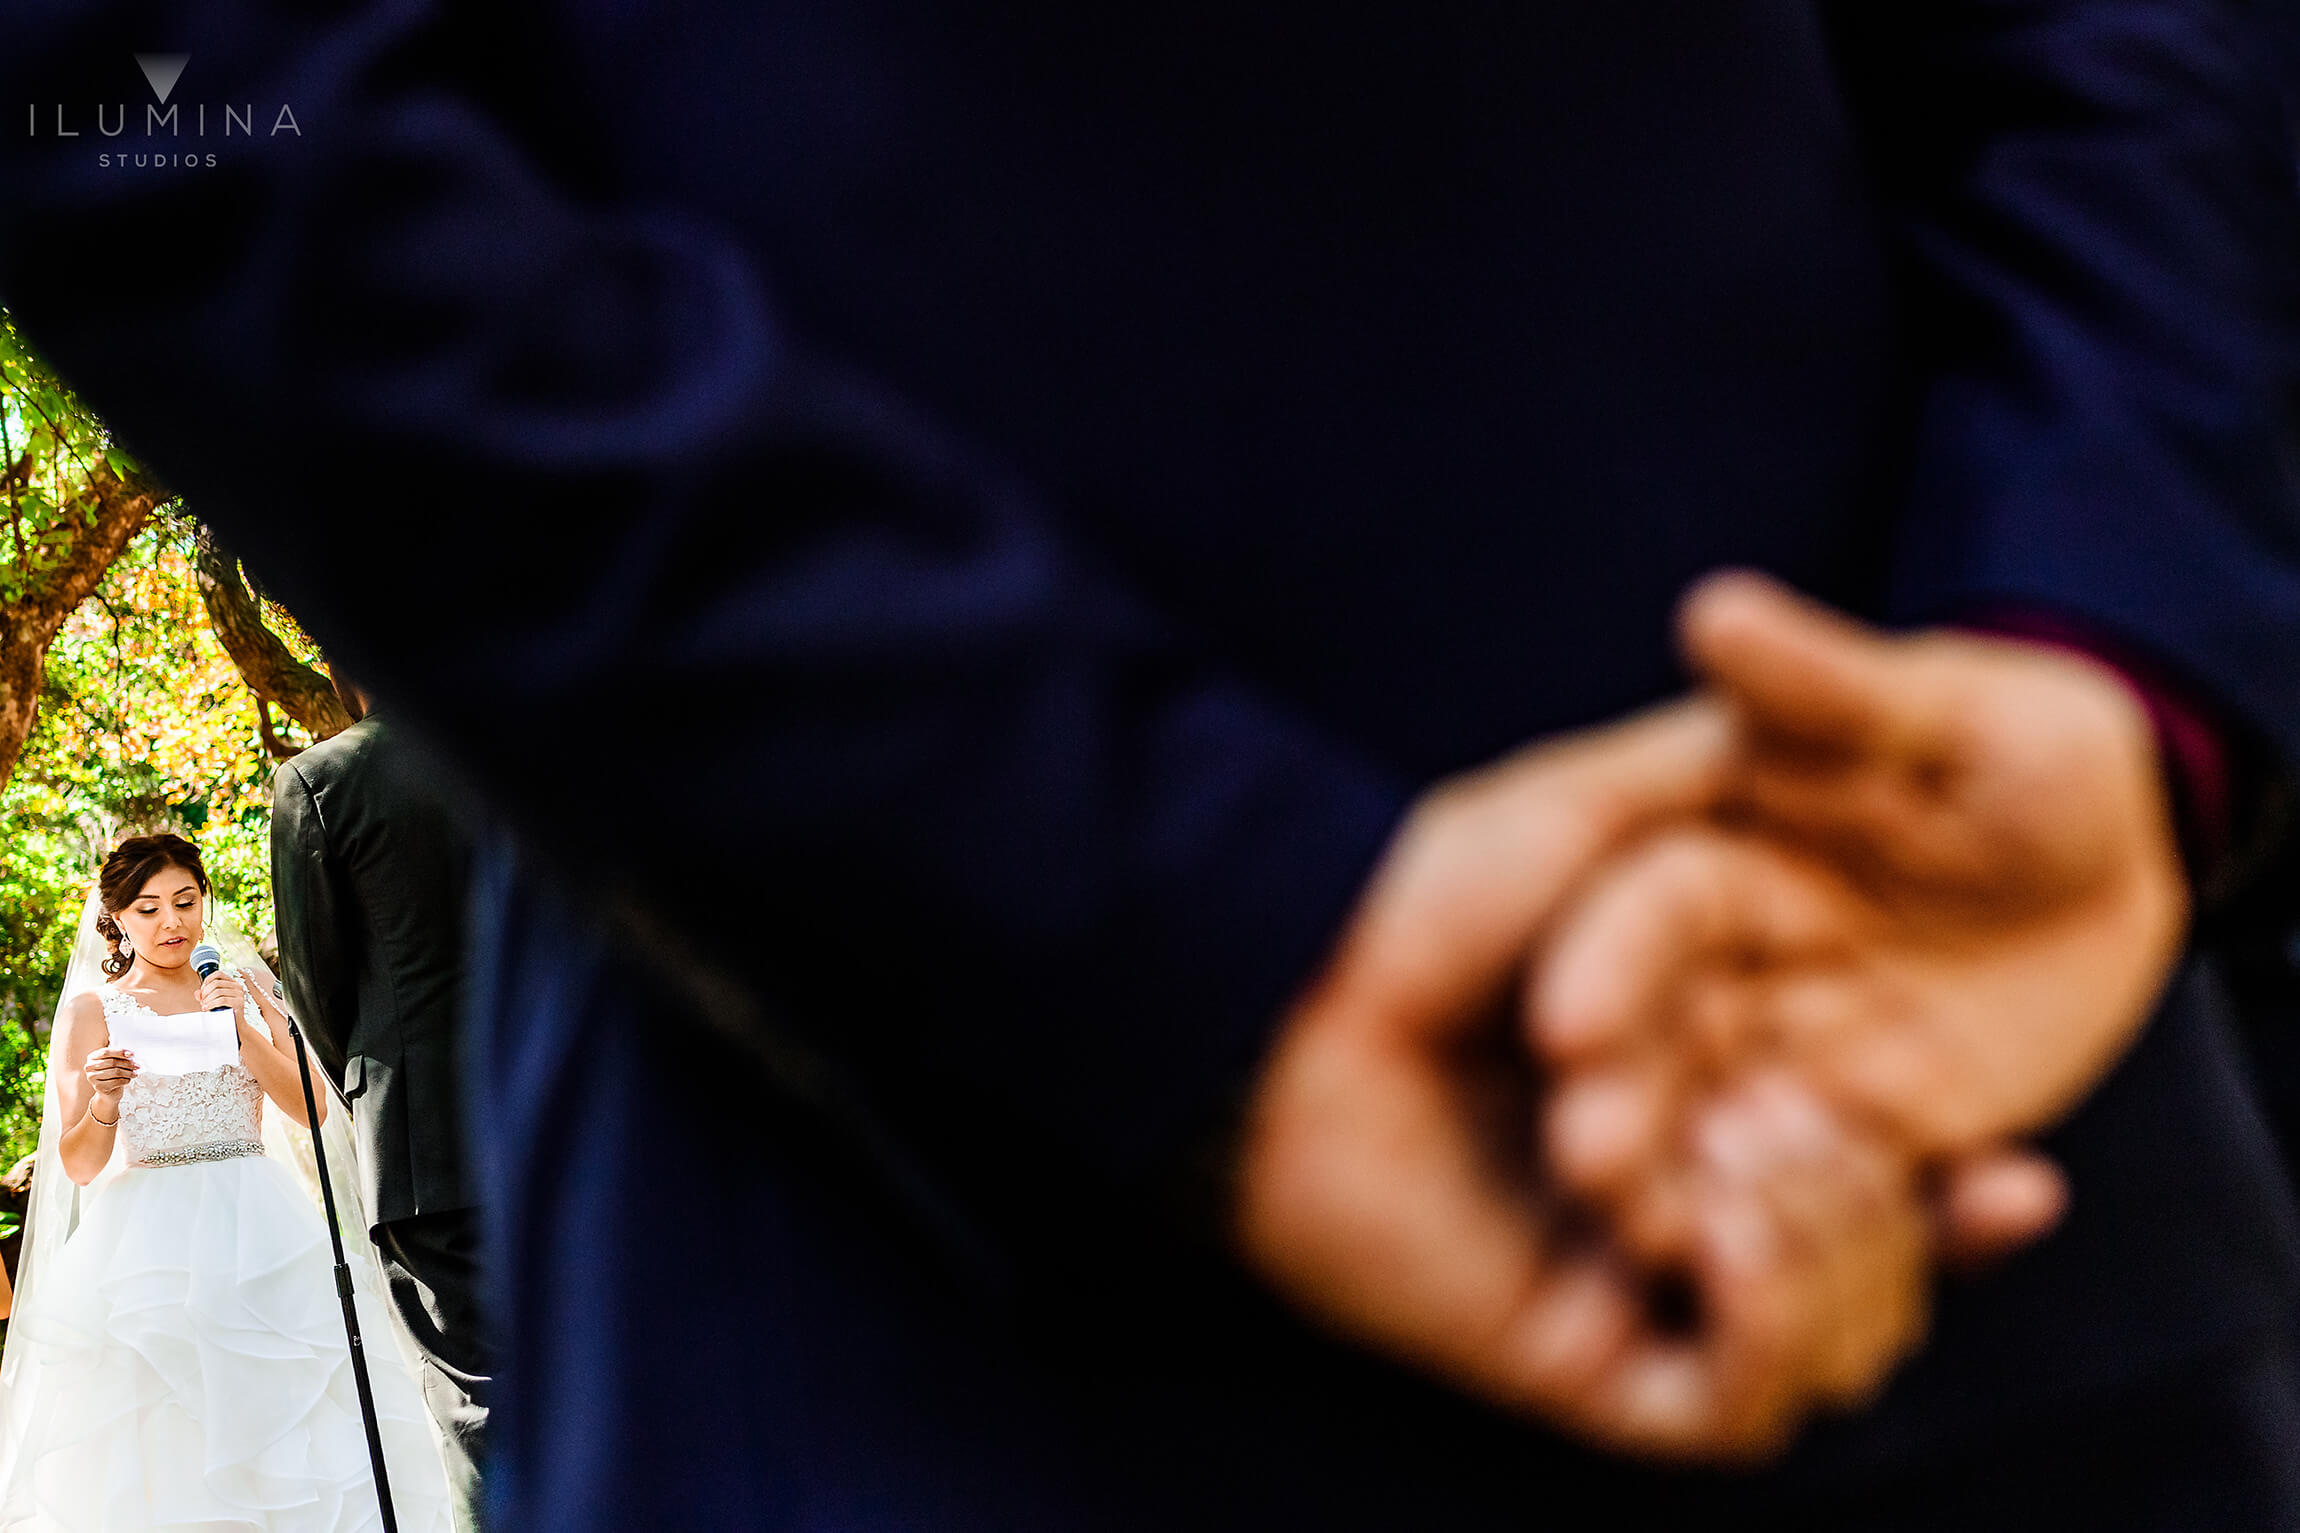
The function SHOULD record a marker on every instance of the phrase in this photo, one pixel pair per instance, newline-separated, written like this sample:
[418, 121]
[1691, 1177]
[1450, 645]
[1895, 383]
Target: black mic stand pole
[343, 1290]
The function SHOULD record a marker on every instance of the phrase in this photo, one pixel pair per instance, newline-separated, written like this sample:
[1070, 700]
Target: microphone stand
[343, 1289]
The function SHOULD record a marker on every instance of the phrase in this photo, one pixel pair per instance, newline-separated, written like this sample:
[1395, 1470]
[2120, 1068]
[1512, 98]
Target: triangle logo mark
[163, 70]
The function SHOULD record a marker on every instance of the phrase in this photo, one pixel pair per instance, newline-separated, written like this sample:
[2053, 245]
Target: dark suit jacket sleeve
[2095, 207]
[313, 963]
[733, 630]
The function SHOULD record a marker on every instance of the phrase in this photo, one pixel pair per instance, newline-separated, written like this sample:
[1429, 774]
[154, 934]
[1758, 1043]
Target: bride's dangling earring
[127, 947]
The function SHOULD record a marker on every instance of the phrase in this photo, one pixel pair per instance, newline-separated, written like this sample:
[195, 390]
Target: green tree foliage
[49, 450]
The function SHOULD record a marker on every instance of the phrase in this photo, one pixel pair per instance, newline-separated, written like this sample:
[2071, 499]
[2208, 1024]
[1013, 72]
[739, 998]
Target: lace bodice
[171, 1120]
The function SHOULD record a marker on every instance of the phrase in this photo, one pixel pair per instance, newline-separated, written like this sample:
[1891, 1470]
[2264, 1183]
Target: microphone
[206, 959]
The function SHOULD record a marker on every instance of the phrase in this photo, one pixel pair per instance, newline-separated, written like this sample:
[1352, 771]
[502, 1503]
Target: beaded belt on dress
[193, 1154]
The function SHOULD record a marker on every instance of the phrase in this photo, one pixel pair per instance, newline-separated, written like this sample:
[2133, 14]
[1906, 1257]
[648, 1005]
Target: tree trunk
[270, 669]
[23, 657]
[29, 625]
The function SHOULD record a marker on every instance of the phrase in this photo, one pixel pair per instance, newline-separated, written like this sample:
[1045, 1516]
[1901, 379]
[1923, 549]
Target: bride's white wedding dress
[189, 1370]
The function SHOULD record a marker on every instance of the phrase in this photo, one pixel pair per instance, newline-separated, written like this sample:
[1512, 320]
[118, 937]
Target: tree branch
[119, 651]
[58, 441]
[278, 749]
[122, 509]
[28, 625]
[18, 474]
[270, 669]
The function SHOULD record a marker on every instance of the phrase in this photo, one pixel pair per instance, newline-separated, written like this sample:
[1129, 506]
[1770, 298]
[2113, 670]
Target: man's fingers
[1602, 1128]
[1573, 1328]
[1802, 672]
[1755, 1318]
[1662, 762]
[1865, 1233]
[1586, 1355]
[1991, 1203]
[1806, 1250]
[1732, 1380]
[1485, 861]
[1846, 804]
[1850, 1241]
[1682, 899]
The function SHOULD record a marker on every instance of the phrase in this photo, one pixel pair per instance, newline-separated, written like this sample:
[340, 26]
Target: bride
[177, 1357]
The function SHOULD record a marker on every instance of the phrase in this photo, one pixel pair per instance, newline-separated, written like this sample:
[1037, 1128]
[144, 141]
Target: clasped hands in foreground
[1661, 1067]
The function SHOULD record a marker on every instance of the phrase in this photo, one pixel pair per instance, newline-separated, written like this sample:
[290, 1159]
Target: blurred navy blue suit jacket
[964, 525]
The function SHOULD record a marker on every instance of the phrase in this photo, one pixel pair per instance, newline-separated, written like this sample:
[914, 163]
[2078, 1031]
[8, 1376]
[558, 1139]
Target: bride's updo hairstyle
[132, 865]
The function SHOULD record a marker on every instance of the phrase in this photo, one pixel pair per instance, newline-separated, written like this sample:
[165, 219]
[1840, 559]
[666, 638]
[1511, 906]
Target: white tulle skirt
[189, 1371]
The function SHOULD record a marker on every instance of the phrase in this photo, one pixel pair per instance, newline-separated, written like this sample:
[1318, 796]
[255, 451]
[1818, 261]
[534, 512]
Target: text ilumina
[172, 119]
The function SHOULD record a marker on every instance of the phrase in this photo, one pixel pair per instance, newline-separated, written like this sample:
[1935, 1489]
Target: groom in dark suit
[1071, 487]
[372, 878]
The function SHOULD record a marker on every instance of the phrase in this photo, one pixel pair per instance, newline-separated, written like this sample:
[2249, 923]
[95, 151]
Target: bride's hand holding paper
[110, 1069]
